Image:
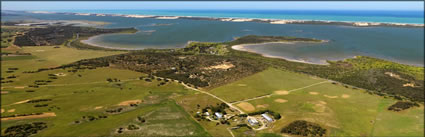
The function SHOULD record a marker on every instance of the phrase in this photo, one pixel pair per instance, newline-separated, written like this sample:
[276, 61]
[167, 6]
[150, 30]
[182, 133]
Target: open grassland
[343, 111]
[168, 119]
[71, 103]
[48, 56]
[190, 104]
[78, 95]
[267, 82]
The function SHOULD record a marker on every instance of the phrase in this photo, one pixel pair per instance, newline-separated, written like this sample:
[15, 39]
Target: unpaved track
[269, 95]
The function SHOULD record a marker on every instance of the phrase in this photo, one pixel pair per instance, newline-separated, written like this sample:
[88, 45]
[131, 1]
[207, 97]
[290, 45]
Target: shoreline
[259, 20]
[242, 47]
[90, 42]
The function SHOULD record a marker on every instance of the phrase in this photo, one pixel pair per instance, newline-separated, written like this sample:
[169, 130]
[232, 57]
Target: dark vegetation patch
[205, 48]
[29, 90]
[6, 81]
[141, 119]
[402, 105]
[38, 100]
[304, 128]
[262, 39]
[57, 35]
[114, 111]
[187, 68]
[24, 130]
[369, 73]
[92, 118]
[53, 107]
[41, 105]
[132, 127]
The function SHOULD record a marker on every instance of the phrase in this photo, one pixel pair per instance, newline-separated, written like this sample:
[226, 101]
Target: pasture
[83, 103]
[344, 111]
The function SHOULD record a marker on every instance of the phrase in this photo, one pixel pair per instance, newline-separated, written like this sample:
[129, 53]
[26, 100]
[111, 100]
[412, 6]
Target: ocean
[410, 17]
[400, 44]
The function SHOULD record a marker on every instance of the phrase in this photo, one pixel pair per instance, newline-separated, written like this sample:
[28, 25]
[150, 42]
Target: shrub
[24, 130]
[400, 105]
[304, 128]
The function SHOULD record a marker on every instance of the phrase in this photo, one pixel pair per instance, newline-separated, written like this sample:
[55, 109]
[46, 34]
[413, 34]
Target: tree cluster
[24, 130]
[304, 128]
[402, 105]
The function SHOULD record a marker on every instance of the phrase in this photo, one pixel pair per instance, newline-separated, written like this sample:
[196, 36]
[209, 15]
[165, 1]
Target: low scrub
[304, 128]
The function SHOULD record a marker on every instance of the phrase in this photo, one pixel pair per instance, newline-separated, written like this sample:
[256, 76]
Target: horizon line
[229, 9]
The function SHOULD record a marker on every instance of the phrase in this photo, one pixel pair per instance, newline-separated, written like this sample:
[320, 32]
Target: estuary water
[404, 45]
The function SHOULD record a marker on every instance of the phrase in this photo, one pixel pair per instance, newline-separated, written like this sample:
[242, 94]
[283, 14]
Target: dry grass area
[313, 93]
[409, 85]
[4, 92]
[2, 110]
[345, 96]
[225, 65]
[246, 106]
[281, 92]
[262, 106]
[319, 107]
[98, 107]
[47, 114]
[128, 102]
[330, 96]
[323, 102]
[60, 74]
[11, 110]
[280, 100]
[393, 75]
[23, 101]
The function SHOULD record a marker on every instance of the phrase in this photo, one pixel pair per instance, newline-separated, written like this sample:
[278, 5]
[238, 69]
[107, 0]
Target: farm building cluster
[221, 113]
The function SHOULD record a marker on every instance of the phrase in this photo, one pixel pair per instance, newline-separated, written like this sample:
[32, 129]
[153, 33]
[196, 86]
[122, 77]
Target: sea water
[404, 45]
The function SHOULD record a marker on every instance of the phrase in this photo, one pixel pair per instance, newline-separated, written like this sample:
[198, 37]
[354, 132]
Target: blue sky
[282, 5]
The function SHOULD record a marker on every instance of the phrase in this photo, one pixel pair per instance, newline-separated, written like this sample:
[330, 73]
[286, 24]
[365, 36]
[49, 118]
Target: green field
[270, 80]
[78, 100]
[87, 93]
[344, 111]
[48, 56]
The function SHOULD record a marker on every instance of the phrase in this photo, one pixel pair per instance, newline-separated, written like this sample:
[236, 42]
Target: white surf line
[288, 92]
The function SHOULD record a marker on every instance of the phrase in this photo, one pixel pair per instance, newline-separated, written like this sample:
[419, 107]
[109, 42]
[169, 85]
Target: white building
[219, 115]
[252, 121]
[267, 117]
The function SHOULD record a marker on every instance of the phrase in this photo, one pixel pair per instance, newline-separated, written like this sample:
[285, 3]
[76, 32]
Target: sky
[279, 5]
